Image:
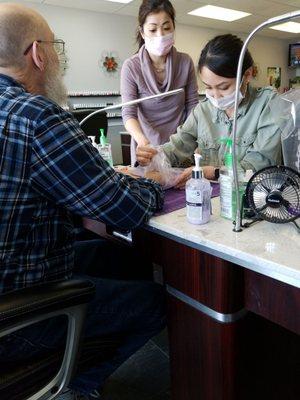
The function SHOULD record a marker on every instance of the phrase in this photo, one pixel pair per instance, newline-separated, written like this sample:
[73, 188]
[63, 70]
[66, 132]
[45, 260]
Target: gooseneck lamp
[132, 102]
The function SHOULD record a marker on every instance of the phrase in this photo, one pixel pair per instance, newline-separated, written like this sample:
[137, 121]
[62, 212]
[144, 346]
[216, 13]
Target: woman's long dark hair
[221, 56]
[153, 6]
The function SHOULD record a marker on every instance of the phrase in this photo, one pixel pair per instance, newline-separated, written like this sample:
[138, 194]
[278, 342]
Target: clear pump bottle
[105, 148]
[198, 195]
[227, 190]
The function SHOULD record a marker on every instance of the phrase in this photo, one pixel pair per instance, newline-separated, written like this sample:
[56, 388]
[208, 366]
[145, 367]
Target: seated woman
[258, 136]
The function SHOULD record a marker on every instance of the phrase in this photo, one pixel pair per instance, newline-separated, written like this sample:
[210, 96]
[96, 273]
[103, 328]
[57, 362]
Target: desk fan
[273, 193]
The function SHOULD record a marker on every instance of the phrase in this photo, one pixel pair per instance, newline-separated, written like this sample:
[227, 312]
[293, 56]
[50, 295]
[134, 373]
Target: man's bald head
[19, 27]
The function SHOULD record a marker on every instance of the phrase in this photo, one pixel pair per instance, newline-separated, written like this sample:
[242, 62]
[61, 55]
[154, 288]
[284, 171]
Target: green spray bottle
[227, 190]
[105, 148]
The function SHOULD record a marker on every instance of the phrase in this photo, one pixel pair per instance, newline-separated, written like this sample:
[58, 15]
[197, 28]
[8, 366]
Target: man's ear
[38, 56]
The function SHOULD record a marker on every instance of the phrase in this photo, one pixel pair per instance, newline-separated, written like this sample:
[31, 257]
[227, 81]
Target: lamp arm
[269, 22]
[132, 102]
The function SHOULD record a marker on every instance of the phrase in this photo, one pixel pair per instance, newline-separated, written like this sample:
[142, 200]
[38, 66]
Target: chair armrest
[26, 304]
[33, 304]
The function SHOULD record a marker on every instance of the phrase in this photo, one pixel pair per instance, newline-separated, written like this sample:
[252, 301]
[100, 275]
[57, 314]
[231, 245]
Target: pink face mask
[159, 45]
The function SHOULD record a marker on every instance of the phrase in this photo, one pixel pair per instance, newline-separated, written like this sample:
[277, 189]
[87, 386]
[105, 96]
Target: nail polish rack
[79, 100]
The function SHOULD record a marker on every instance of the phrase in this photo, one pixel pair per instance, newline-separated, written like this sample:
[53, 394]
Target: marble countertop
[269, 249]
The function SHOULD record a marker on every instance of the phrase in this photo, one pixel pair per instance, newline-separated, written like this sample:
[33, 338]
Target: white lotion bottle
[198, 195]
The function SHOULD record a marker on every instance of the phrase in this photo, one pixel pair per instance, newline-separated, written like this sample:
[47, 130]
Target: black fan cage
[273, 193]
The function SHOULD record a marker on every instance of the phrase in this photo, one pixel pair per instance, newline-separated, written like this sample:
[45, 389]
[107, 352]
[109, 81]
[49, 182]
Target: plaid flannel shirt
[49, 171]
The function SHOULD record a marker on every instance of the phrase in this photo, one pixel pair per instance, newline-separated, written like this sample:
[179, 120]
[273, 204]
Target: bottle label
[226, 196]
[105, 151]
[194, 197]
[194, 203]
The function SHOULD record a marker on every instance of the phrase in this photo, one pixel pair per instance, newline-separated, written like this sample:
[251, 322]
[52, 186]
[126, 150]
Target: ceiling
[261, 10]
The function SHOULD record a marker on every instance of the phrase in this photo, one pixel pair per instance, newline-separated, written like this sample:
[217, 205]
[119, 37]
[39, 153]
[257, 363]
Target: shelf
[94, 93]
[114, 115]
[80, 106]
[94, 107]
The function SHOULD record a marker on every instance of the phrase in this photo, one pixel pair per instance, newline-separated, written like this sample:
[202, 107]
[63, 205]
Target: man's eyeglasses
[58, 44]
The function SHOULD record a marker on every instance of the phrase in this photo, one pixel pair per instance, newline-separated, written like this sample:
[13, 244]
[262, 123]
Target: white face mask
[159, 45]
[225, 102]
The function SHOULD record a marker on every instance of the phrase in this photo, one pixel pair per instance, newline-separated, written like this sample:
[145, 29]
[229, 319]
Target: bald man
[49, 172]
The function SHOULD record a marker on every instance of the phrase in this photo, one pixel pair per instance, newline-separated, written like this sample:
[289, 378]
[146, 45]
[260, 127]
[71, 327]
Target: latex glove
[155, 176]
[144, 154]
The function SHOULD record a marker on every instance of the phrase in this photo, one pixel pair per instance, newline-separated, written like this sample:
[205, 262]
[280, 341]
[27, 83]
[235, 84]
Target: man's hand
[155, 176]
[208, 171]
[126, 171]
[183, 178]
[144, 155]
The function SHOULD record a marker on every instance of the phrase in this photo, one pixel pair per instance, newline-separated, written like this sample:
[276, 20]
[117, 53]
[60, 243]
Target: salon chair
[45, 376]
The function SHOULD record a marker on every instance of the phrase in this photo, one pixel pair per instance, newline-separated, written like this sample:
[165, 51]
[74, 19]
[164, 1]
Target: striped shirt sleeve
[69, 171]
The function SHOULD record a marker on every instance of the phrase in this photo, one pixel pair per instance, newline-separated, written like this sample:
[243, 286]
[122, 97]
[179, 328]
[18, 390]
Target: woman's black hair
[153, 6]
[221, 56]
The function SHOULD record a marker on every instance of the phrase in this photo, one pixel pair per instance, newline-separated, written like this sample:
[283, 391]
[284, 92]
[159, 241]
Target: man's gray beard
[55, 88]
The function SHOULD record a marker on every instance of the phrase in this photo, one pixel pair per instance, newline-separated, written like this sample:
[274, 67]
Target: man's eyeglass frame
[57, 41]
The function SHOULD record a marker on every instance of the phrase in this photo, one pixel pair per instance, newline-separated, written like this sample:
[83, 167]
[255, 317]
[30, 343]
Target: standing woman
[157, 67]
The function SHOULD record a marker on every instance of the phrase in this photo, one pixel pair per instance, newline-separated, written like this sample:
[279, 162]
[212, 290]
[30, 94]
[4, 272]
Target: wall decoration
[274, 76]
[294, 55]
[109, 63]
[295, 83]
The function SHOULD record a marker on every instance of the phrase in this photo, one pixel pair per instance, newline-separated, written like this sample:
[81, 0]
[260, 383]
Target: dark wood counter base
[253, 356]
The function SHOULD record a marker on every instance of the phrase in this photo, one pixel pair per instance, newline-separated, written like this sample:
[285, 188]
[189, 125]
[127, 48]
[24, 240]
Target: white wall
[87, 34]
[266, 52]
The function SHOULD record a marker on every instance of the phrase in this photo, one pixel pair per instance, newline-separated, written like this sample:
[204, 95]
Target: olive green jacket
[258, 136]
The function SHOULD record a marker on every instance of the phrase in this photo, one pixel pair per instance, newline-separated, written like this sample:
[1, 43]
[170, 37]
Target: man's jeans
[134, 310]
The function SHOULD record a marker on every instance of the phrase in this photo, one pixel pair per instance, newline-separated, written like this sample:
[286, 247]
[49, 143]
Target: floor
[144, 376]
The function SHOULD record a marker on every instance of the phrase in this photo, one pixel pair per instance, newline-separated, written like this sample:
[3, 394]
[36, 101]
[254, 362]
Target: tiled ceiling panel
[91, 5]
[22, 1]
[261, 10]
[295, 3]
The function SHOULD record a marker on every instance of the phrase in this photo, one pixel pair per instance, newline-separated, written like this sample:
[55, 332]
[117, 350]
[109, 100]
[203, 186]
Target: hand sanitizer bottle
[227, 190]
[105, 148]
[198, 194]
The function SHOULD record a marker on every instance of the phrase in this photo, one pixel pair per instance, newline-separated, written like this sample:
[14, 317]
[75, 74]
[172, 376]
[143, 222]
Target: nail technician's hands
[144, 154]
[142, 142]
